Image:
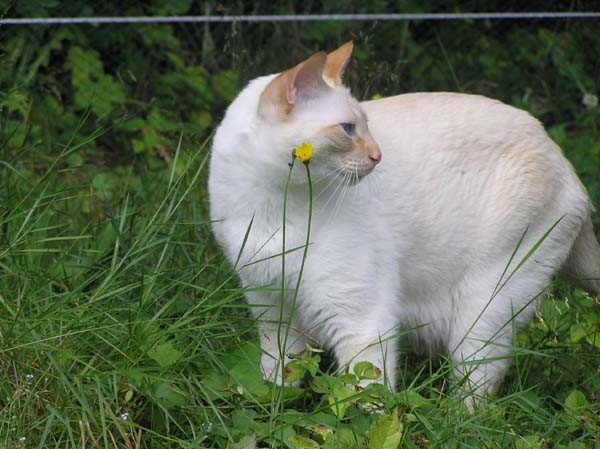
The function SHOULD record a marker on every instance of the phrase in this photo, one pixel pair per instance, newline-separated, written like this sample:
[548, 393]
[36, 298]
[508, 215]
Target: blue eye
[348, 128]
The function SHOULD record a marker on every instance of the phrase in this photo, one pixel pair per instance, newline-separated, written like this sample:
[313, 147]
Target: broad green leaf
[157, 35]
[338, 399]
[161, 121]
[196, 78]
[527, 442]
[169, 396]
[592, 329]
[164, 354]
[593, 339]
[324, 384]
[344, 438]
[349, 378]
[323, 431]
[93, 87]
[199, 121]
[412, 398]
[385, 432]
[576, 400]
[295, 370]
[105, 184]
[246, 442]
[241, 368]
[306, 363]
[576, 333]
[246, 372]
[243, 420]
[300, 442]
[366, 370]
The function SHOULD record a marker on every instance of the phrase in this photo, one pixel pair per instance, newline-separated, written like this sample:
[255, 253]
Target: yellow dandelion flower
[304, 152]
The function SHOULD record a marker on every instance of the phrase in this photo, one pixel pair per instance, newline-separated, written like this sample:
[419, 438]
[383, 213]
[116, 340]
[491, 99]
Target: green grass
[121, 326]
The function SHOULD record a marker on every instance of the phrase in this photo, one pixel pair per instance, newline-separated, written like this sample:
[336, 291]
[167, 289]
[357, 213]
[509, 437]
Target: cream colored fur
[423, 240]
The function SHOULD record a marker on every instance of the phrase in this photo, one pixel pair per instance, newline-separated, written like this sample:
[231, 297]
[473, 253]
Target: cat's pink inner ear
[290, 94]
[301, 82]
[336, 63]
[307, 80]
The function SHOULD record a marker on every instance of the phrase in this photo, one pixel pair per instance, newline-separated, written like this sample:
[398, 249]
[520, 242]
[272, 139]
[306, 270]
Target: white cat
[435, 237]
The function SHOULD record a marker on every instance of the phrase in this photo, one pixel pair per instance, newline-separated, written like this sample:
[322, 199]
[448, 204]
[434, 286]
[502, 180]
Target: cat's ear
[308, 79]
[336, 63]
[300, 83]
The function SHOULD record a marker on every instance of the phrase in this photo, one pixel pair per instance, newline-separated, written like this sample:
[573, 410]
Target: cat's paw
[271, 371]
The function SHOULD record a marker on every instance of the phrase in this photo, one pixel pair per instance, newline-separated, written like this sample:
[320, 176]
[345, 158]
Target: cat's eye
[348, 128]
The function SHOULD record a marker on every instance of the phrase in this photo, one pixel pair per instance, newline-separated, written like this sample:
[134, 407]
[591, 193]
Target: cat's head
[309, 103]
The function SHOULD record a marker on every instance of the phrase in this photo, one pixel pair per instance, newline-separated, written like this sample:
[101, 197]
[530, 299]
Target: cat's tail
[583, 263]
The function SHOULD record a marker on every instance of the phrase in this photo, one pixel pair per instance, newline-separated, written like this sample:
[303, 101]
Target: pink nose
[375, 157]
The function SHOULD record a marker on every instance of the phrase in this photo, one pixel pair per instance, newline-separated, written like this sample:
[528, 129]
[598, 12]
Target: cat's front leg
[275, 339]
[375, 344]
[274, 343]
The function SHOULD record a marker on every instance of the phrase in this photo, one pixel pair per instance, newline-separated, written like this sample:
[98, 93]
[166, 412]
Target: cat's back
[468, 135]
[469, 160]
[451, 120]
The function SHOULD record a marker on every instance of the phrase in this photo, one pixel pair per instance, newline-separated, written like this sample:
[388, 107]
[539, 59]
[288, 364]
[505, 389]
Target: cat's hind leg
[486, 314]
[497, 297]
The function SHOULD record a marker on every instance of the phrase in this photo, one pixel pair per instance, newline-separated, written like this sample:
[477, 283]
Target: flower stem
[282, 345]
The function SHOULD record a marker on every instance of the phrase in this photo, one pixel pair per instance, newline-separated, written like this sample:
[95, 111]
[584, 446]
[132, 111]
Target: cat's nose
[375, 157]
[374, 153]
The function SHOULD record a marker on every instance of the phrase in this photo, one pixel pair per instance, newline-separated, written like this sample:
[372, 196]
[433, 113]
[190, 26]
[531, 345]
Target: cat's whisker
[349, 185]
[355, 187]
[326, 175]
[372, 183]
[339, 172]
[337, 188]
[340, 200]
[342, 192]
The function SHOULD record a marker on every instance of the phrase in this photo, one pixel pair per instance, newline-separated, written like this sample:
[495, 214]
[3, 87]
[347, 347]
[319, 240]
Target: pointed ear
[336, 63]
[308, 80]
[301, 82]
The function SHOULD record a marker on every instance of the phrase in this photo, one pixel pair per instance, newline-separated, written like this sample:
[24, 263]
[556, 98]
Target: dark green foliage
[113, 296]
[144, 84]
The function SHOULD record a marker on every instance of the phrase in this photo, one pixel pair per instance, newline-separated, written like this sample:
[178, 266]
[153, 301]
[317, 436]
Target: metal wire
[298, 18]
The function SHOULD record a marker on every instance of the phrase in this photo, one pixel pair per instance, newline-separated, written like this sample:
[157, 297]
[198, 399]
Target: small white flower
[206, 427]
[590, 101]
[29, 376]
[125, 416]
[23, 439]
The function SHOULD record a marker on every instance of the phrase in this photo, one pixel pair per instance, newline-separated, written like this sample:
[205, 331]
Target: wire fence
[300, 18]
